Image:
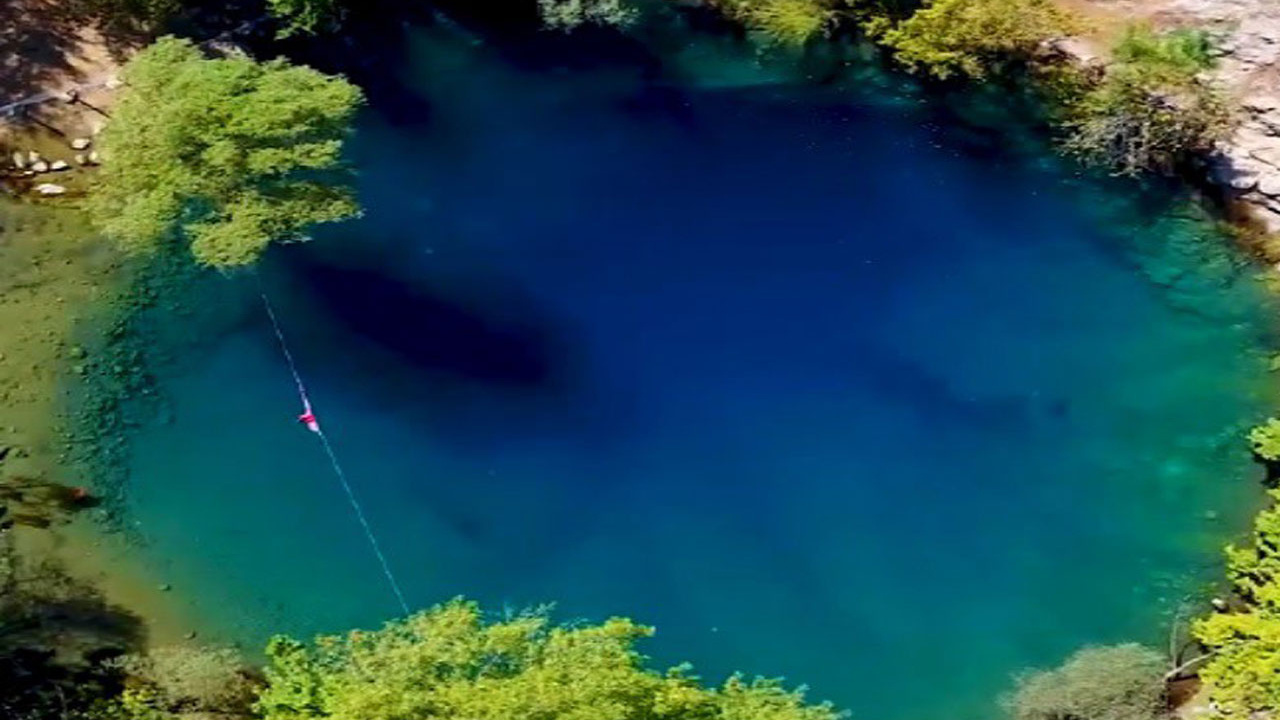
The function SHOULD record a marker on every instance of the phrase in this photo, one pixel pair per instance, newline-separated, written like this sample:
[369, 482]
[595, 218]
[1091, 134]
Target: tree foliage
[972, 37]
[448, 663]
[1119, 682]
[569, 14]
[1265, 440]
[1152, 109]
[786, 22]
[228, 154]
[307, 17]
[1243, 675]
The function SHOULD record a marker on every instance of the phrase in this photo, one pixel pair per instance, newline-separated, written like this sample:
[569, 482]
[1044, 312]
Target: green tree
[305, 16]
[1265, 440]
[1242, 673]
[786, 22]
[1152, 109]
[448, 663]
[1119, 682]
[227, 154]
[972, 37]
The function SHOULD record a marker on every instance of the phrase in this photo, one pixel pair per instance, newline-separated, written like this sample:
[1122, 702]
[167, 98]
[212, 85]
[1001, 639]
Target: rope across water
[333, 457]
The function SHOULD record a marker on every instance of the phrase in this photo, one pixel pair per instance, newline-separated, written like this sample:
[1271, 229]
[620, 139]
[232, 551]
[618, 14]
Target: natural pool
[818, 388]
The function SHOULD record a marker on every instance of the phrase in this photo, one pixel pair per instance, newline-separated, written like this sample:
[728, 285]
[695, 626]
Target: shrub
[1151, 110]
[1119, 682]
[974, 37]
[190, 679]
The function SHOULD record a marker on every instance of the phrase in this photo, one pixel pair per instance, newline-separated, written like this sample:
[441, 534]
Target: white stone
[40, 166]
[19, 161]
[81, 143]
[80, 159]
[1261, 103]
[33, 156]
[1269, 185]
[57, 165]
[94, 159]
[50, 189]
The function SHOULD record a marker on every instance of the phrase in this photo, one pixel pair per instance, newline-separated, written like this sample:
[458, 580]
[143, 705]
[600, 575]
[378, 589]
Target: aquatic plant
[448, 662]
[1265, 440]
[1151, 110]
[963, 37]
[1242, 670]
[228, 154]
[1118, 682]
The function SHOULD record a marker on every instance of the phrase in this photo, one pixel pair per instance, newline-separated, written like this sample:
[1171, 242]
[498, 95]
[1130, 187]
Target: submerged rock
[81, 143]
[50, 189]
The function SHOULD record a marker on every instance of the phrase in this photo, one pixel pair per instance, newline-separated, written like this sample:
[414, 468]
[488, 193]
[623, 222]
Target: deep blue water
[794, 374]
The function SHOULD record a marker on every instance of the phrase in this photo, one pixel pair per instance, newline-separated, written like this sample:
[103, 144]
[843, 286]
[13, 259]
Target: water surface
[793, 373]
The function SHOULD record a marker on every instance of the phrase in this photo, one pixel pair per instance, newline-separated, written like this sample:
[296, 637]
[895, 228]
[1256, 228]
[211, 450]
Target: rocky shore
[1247, 164]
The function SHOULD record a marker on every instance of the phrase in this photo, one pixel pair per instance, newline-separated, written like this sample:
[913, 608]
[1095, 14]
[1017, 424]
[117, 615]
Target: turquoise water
[816, 386]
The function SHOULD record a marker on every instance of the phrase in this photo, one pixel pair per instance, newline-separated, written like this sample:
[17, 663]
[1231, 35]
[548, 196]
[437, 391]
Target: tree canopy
[227, 154]
[449, 663]
[964, 37]
[1243, 675]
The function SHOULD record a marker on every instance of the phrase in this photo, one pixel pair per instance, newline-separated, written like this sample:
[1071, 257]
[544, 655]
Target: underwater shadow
[433, 332]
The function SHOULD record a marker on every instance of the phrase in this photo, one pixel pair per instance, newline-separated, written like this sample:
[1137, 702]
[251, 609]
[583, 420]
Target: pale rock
[40, 166]
[1269, 185]
[58, 165]
[81, 143]
[33, 156]
[1261, 103]
[94, 158]
[50, 189]
[19, 161]
[80, 159]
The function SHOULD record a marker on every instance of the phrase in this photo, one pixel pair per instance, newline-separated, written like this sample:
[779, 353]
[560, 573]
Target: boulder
[50, 189]
[19, 161]
[80, 159]
[81, 143]
[32, 156]
[57, 165]
[94, 159]
[1269, 184]
[40, 166]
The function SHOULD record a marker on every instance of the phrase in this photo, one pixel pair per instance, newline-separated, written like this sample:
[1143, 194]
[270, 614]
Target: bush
[1151, 110]
[448, 664]
[188, 679]
[974, 37]
[1120, 682]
